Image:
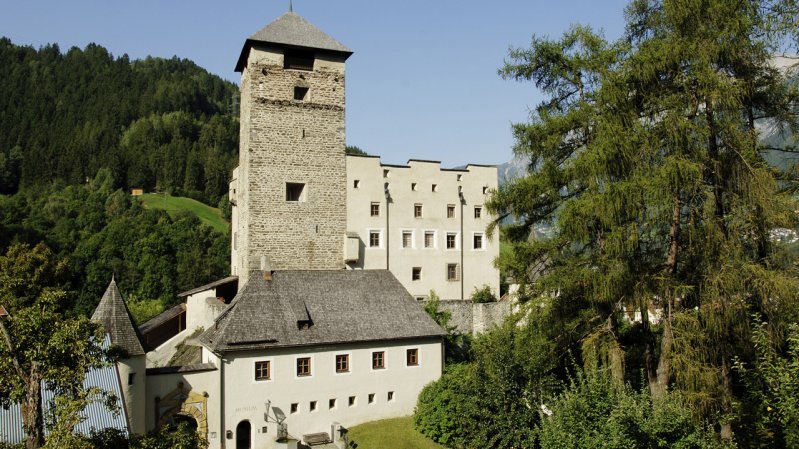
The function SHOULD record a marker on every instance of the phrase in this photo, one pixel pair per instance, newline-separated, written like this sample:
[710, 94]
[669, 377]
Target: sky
[422, 82]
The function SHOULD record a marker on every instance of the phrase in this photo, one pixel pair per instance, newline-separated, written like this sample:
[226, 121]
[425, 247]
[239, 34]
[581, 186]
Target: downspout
[222, 435]
[388, 201]
[462, 201]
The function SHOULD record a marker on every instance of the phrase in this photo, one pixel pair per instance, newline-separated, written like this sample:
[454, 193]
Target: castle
[319, 326]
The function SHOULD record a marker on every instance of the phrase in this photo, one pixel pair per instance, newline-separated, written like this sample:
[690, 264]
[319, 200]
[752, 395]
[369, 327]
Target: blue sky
[422, 82]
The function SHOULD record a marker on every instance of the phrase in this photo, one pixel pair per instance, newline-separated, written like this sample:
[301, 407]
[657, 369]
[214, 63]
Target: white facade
[430, 224]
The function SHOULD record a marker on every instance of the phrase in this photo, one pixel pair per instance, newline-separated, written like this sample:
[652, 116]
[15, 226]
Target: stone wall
[475, 318]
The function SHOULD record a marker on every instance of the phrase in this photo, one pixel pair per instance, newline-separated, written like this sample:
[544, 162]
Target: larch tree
[646, 159]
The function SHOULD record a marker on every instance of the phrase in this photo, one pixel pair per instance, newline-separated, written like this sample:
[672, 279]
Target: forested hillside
[157, 124]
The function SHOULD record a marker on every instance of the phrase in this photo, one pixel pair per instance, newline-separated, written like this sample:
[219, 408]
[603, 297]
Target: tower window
[295, 191]
[298, 60]
[299, 94]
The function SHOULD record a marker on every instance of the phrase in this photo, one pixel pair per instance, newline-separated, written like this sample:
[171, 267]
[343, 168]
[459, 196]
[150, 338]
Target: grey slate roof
[115, 318]
[97, 415]
[342, 305]
[294, 31]
[162, 318]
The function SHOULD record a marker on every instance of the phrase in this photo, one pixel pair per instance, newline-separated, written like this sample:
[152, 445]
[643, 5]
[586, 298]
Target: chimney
[266, 267]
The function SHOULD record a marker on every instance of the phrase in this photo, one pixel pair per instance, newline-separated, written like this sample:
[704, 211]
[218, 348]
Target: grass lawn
[397, 433]
[174, 204]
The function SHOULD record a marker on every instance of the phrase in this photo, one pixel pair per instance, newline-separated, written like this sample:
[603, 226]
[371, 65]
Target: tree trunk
[32, 420]
[715, 168]
[663, 372]
[726, 373]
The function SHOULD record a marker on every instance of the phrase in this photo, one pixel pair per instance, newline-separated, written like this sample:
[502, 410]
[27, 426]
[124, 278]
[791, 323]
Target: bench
[316, 438]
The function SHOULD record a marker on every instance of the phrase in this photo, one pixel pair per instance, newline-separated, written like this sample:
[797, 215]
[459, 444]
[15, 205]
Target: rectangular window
[385, 173]
[450, 211]
[407, 239]
[295, 407]
[485, 190]
[131, 378]
[374, 239]
[416, 273]
[452, 241]
[312, 406]
[460, 177]
[304, 366]
[478, 241]
[351, 401]
[435, 187]
[390, 396]
[378, 360]
[331, 403]
[356, 183]
[412, 357]
[295, 191]
[417, 211]
[452, 272]
[299, 94]
[478, 211]
[429, 239]
[413, 186]
[298, 60]
[374, 209]
[262, 370]
[371, 398]
[342, 363]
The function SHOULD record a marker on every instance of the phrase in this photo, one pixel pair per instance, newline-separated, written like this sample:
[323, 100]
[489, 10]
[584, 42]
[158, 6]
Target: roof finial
[112, 277]
[291, 7]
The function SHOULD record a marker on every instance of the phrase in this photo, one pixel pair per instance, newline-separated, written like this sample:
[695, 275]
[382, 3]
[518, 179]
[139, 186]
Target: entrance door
[243, 431]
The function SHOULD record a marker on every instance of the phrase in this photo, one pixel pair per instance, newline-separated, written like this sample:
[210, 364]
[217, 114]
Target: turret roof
[117, 322]
[292, 30]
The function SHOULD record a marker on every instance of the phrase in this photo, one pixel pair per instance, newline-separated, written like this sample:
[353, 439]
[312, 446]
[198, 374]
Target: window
[131, 378]
[385, 173]
[374, 239]
[452, 241]
[374, 209]
[412, 357]
[459, 177]
[299, 95]
[312, 406]
[485, 190]
[295, 191]
[478, 211]
[295, 407]
[413, 186]
[351, 401]
[262, 370]
[342, 363]
[331, 404]
[407, 239]
[298, 60]
[452, 272]
[416, 273]
[378, 360]
[478, 241]
[435, 187]
[356, 183]
[390, 396]
[429, 239]
[371, 398]
[304, 366]
[417, 211]
[450, 211]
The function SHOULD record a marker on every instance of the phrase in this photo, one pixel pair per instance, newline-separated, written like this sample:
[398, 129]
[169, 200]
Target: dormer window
[298, 60]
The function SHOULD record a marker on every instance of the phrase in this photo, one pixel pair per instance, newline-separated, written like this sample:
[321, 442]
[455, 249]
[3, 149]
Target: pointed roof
[317, 307]
[115, 318]
[291, 30]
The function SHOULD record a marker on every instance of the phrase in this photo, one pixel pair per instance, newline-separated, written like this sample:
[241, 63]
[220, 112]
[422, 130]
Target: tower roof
[291, 30]
[115, 318]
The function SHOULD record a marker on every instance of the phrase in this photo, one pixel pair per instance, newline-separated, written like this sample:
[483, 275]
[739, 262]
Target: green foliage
[175, 205]
[396, 433]
[456, 345]
[352, 149]
[166, 437]
[483, 295]
[595, 412]
[142, 310]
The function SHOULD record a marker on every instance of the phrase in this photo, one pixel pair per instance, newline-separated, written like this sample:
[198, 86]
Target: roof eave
[242, 61]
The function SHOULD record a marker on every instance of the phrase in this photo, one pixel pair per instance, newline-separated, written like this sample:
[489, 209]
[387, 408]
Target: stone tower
[117, 323]
[289, 191]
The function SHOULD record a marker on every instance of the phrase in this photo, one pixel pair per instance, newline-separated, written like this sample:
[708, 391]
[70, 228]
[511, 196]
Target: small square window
[262, 370]
[300, 93]
[435, 187]
[312, 406]
[378, 360]
[374, 239]
[416, 273]
[429, 239]
[485, 190]
[452, 241]
[295, 407]
[374, 209]
[450, 211]
[295, 191]
[452, 272]
[371, 398]
[351, 401]
[478, 241]
[412, 357]
[356, 183]
[331, 403]
[413, 186]
[342, 363]
[407, 239]
[390, 396]
[304, 366]
[417, 211]
[478, 211]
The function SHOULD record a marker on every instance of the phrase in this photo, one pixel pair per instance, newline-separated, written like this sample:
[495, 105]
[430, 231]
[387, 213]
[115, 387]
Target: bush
[483, 295]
